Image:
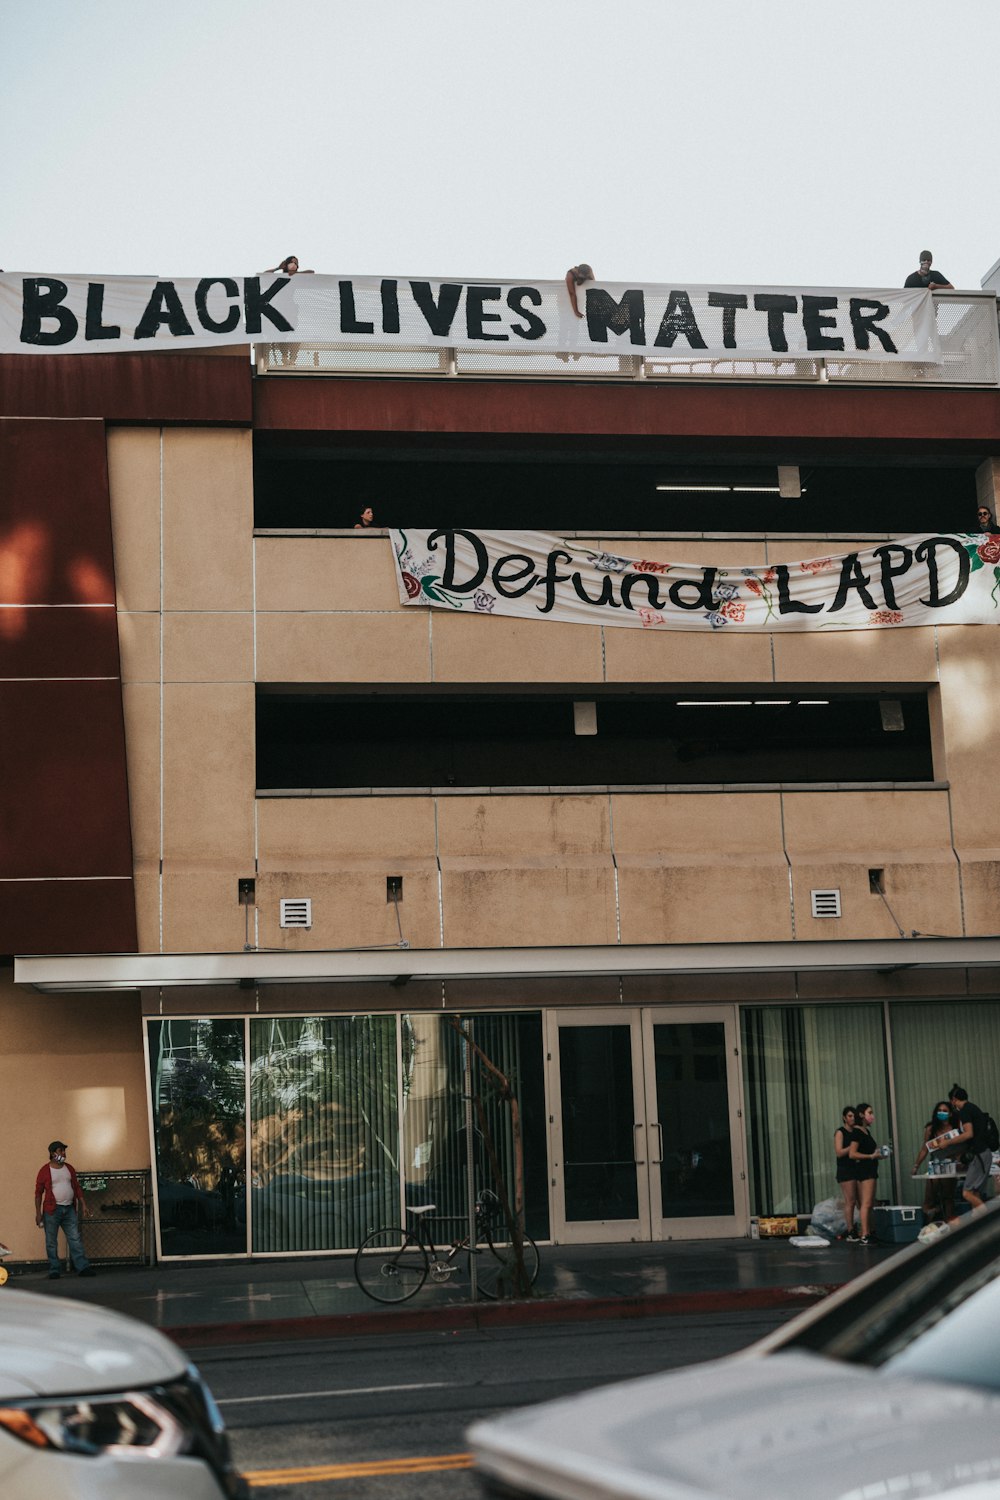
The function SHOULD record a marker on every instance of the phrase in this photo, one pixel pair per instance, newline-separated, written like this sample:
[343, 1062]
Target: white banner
[91, 315]
[933, 579]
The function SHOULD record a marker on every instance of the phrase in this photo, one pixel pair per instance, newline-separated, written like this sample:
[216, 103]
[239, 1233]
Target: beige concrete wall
[205, 610]
[71, 1067]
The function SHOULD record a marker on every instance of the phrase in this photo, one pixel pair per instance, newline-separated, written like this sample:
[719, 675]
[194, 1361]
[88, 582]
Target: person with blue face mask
[939, 1192]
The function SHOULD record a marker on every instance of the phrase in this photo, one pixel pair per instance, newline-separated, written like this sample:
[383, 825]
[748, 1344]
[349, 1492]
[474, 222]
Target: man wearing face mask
[58, 1205]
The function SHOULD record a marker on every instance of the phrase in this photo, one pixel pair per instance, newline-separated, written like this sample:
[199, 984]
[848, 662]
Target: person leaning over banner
[290, 267]
[58, 1204]
[925, 276]
[986, 520]
[575, 277]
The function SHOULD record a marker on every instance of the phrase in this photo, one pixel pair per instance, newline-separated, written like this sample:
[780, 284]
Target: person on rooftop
[290, 267]
[575, 277]
[925, 276]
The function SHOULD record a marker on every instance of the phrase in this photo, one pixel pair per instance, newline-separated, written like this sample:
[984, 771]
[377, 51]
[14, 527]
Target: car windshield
[959, 1342]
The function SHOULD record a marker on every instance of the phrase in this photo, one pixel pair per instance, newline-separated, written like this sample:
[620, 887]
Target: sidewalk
[260, 1300]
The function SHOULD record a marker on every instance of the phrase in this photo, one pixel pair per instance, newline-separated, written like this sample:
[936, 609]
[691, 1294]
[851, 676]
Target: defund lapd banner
[90, 315]
[935, 579]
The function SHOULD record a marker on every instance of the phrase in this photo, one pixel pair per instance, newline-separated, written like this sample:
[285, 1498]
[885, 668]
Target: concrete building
[267, 833]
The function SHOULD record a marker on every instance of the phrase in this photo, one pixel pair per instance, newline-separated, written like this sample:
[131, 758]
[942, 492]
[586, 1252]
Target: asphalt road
[384, 1418]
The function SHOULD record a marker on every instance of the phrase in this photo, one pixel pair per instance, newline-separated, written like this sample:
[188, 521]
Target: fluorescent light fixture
[715, 703]
[702, 489]
[771, 702]
[814, 703]
[722, 489]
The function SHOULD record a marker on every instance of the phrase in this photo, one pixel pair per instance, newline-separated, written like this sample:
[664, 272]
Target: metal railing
[967, 329]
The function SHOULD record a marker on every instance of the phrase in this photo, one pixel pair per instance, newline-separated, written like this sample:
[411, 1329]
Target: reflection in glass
[324, 1130]
[598, 1118]
[434, 1148]
[692, 1102]
[198, 1089]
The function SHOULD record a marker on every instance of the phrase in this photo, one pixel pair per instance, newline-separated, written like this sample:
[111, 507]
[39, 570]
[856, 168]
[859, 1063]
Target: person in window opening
[366, 518]
[575, 277]
[939, 1192]
[865, 1154]
[847, 1177]
[925, 276]
[978, 1157]
[986, 520]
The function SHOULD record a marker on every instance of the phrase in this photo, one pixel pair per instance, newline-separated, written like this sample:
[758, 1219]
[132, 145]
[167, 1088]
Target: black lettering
[552, 578]
[704, 591]
[884, 555]
[164, 306]
[786, 604]
[813, 323]
[476, 316]
[390, 306]
[43, 298]
[929, 550]
[776, 305]
[448, 576]
[604, 313]
[258, 304]
[511, 569]
[348, 315]
[729, 302]
[517, 296]
[96, 328]
[232, 318]
[653, 595]
[863, 324]
[851, 577]
[679, 318]
[438, 315]
[605, 599]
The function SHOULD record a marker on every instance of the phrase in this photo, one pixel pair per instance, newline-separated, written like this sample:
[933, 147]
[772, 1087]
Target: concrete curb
[467, 1316]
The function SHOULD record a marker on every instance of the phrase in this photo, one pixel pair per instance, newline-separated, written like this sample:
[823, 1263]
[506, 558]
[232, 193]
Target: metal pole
[470, 1163]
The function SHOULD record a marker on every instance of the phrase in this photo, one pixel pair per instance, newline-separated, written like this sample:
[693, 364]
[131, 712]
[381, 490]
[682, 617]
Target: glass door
[598, 1126]
[646, 1125]
[697, 1179]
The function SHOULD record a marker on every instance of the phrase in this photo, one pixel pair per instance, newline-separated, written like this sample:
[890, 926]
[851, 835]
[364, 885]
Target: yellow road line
[375, 1469]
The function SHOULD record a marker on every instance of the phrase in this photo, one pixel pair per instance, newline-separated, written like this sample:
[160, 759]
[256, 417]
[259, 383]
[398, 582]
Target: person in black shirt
[925, 276]
[847, 1179]
[970, 1119]
[939, 1192]
[864, 1154]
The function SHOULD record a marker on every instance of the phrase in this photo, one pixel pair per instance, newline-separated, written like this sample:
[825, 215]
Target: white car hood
[52, 1346]
[779, 1427]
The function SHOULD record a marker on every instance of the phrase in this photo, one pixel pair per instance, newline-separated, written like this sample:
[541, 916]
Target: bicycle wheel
[496, 1267]
[390, 1265]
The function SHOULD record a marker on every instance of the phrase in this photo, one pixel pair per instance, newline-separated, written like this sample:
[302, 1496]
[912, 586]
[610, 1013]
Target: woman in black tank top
[864, 1154]
[846, 1172]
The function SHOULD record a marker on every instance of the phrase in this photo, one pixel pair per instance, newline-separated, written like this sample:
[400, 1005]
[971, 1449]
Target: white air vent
[825, 903]
[297, 913]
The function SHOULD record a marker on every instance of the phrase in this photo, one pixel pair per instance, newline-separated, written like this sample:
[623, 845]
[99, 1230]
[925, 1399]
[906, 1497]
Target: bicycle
[391, 1264]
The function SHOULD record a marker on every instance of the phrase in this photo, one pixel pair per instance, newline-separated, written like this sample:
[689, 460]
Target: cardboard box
[780, 1227]
[897, 1224]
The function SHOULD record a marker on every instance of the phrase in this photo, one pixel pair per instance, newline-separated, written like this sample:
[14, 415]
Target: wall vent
[825, 903]
[297, 913]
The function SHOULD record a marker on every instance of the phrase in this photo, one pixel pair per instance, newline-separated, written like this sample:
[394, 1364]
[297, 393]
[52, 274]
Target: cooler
[897, 1224]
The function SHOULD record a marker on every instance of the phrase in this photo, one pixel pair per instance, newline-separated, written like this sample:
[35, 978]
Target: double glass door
[646, 1128]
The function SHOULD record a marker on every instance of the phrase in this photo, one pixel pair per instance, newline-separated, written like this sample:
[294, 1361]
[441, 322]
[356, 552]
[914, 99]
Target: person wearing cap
[59, 1204]
[925, 276]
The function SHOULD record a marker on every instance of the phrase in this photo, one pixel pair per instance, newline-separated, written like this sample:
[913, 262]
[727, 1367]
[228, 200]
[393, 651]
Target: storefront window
[801, 1066]
[324, 1130]
[197, 1078]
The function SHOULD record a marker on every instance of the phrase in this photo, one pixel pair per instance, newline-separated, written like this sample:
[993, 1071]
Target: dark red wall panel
[631, 410]
[65, 836]
[147, 387]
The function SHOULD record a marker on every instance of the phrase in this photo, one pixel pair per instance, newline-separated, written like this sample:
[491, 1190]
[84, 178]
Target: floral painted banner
[932, 579]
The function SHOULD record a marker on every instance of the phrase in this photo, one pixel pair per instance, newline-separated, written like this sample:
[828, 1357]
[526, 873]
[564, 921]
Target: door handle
[659, 1133]
[640, 1161]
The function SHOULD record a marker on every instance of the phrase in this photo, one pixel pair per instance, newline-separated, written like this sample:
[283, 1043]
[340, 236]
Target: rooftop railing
[967, 329]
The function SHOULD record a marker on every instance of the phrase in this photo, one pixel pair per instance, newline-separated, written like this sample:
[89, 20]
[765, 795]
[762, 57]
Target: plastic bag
[828, 1222]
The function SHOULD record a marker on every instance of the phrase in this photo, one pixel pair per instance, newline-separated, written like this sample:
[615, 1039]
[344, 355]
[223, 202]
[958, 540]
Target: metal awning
[134, 971]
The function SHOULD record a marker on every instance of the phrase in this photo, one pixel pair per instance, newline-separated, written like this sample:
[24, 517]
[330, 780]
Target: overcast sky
[785, 142]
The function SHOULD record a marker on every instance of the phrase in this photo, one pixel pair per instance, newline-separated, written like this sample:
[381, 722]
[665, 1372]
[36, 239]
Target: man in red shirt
[58, 1204]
